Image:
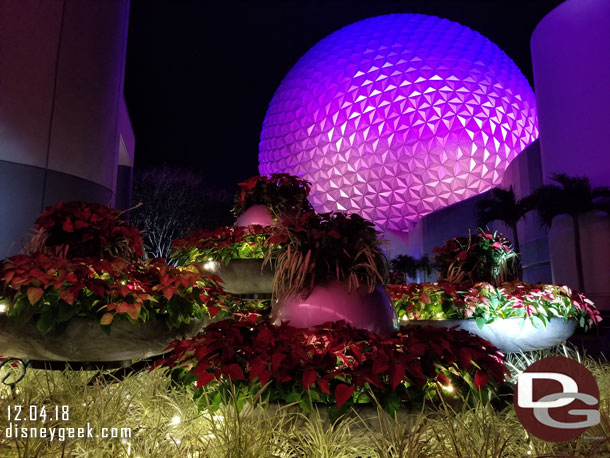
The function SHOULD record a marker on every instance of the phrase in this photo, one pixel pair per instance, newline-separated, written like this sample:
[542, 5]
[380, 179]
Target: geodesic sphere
[396, 116]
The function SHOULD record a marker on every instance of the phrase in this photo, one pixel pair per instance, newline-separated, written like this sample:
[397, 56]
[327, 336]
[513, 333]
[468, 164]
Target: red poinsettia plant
[85, 261]
[82, 229]
[52, 290]
[483, 257]
[538, 303]
[335, 363]
[485, 302]
[283, 194]
[229, 242]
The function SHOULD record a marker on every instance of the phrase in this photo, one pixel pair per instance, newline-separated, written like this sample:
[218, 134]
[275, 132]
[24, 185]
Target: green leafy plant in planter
[425, 301]
[537, 302]
[85, 261]
[282, 194]
[329, 246]
[227, 243]
[482, 257]
[486, 303]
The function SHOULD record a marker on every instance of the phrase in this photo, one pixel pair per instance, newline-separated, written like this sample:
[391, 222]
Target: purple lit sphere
[396, 116]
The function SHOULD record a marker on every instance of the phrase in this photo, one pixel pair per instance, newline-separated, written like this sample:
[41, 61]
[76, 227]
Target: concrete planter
[83, 340]
[242, 276]
[511, 335]
[256, 214]
[332, 302]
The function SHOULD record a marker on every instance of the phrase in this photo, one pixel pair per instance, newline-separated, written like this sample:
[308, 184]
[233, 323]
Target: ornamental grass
[166, 423]
[324, 247]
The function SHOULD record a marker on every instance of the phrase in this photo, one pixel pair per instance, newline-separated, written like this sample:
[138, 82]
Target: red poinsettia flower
[81, 229]
[334, 358]
[280, 192]
[103, 289]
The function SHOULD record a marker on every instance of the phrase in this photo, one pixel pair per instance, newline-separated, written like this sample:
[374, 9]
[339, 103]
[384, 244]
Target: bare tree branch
[175, 200]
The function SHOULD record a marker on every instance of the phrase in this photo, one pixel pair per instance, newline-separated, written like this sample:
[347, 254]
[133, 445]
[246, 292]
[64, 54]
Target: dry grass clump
[166, 422]
[146, 403]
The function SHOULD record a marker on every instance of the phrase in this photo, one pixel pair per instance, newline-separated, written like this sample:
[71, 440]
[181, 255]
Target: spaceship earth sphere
[396, 116]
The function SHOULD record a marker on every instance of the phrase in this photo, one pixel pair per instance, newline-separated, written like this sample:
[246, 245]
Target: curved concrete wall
[524, 174]
[61, 83]
[571, 62]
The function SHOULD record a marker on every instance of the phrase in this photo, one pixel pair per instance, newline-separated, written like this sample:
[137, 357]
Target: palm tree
[571, 196]
[406, 265]
[409, 266]
[502, 205]
[425, 266]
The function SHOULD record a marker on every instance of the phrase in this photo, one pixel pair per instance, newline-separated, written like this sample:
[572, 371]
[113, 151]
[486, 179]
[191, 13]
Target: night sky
[200, 74]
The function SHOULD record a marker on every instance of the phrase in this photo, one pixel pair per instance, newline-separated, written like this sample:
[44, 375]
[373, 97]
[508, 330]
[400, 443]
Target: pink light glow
[396, 116]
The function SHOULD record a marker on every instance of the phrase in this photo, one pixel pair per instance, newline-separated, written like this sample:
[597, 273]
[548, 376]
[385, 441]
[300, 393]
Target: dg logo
[557, 399]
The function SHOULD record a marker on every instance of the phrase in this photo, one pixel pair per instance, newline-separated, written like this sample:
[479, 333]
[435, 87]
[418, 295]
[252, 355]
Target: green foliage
[569, 196]
[408, 265]
[425, 301]
[502, 205]
[226, 243]
[572, 196]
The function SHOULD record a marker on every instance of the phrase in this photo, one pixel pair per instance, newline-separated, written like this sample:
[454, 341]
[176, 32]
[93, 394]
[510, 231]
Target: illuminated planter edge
[508, 335]
[83, 340]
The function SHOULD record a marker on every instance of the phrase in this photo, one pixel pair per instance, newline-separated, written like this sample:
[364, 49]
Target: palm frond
[570, 196]
[502, 205]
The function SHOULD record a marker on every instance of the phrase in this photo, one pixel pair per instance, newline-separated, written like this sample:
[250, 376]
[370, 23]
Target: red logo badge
[557, 399]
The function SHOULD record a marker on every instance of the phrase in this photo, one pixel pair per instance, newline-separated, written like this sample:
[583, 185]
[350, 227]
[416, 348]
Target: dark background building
[198, 79]
[64, 129]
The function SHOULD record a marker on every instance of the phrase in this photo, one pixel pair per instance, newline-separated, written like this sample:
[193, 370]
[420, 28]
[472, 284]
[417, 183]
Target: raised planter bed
[242, 276]
[83, 340]
[511, 335]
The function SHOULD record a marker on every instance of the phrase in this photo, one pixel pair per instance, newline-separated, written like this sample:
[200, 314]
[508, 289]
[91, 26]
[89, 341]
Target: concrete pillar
[61, 83]
[524, 174]
[571, 62]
